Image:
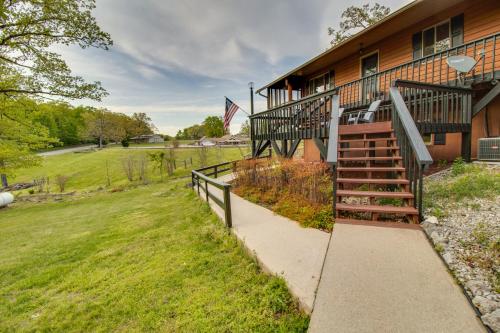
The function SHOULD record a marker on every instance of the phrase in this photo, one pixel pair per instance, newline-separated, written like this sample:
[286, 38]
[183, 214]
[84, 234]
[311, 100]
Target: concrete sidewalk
[374, 279]
[281, 245]
[379, 279]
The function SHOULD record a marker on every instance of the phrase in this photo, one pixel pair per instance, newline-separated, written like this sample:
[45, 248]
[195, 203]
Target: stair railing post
[227, 206]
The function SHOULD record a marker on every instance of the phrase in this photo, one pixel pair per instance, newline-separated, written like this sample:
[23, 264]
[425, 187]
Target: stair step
[393, 139]
[369, 149]
[378, 223]
[371, 128]
[370, 169]
[378, 209]
[374, 194]
[372, 181]
[361, 159]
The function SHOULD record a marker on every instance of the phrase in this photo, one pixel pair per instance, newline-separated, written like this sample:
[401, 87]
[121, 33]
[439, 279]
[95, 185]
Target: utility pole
[250, 85]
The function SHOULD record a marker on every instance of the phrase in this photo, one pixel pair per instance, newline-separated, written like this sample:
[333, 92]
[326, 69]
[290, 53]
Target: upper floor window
[439, 37]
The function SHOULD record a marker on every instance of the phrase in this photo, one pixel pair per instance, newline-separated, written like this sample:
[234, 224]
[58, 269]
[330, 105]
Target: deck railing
[200, 179]
[302, 119]
[415, 155]
[309, 116]
[437, 108]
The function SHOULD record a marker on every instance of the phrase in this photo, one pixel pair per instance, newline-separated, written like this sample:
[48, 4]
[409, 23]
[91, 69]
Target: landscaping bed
[298, 190]
[463, 222]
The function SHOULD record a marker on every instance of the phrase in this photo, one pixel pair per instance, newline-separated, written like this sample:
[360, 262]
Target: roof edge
[349, 40]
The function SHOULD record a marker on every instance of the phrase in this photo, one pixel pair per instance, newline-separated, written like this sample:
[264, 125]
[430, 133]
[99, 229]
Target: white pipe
[6, 198]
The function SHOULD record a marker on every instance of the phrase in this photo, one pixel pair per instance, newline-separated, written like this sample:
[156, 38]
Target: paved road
[66, 150]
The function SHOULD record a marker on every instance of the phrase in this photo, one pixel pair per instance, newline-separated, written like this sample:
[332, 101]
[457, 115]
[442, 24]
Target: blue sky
[176, 60]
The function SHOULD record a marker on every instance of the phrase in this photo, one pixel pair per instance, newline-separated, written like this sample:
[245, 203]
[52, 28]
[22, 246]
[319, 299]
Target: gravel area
[468, 239]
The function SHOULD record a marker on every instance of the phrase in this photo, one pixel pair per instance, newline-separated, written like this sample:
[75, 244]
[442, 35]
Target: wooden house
[428, 111]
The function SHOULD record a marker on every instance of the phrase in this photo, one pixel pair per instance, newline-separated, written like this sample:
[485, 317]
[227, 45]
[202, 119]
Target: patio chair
[367, 116]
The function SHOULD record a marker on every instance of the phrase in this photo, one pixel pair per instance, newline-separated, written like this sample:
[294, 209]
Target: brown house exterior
[420, 29]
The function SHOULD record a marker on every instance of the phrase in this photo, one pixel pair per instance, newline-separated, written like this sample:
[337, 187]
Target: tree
[104, 125]
[28, 31]
[20, 135]
[214, 126]
[245, 128]
[356, 18]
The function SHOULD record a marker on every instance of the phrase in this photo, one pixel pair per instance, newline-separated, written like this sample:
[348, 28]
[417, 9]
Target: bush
[61, 182]
[125, 143]
[298, 190]
[458, 166]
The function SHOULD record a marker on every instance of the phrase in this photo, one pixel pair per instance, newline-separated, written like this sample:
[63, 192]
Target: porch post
[250, 85]
[466, 146]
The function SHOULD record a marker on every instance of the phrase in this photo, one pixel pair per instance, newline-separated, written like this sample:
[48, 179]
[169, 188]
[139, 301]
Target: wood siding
[481, 19]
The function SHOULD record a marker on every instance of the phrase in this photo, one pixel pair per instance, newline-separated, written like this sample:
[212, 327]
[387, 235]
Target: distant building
[148, 138]
[226, 140]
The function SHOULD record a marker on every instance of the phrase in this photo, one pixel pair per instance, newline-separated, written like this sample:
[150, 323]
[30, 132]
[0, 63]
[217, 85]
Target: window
[440, 139]
[438, 38]
[369, 65]
[321, 83]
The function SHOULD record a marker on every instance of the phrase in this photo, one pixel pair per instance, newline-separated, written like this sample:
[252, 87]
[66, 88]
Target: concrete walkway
[379, 279]
[281, 245]
[374, 279]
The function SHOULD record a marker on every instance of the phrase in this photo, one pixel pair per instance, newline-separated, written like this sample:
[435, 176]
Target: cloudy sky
[176, 60]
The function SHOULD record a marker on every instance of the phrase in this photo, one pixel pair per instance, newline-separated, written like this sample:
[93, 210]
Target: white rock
[476, 286]
[485, 305]
[492, 320]
[431, 220]
[448, 258]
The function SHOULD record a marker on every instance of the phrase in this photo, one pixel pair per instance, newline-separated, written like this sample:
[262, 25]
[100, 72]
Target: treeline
[212, 127]
[28, 125]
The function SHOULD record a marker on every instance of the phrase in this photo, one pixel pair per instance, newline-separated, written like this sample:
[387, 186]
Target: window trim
[326, 82]
[366, 56]
[435, 32]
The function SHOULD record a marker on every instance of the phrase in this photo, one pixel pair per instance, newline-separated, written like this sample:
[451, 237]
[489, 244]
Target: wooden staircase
[371, 179]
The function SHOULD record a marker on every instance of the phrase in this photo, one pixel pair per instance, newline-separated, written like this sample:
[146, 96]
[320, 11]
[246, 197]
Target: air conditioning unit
[489, 149]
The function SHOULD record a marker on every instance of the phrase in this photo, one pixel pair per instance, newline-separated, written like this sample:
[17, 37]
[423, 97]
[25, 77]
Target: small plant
[438, 212]
[143, 170]
[61, 182]
[128, 165]
[481, 234]
[458, 166]
[203, 156]
[442, 163]
[31, 191]
[158, 159]
[125, 142]
[41, 183]
[439, 248]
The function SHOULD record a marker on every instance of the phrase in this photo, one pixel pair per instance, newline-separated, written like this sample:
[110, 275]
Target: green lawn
[150, 258]
[87, 171]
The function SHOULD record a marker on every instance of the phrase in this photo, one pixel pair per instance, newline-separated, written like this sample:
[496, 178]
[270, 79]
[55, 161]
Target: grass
[465, 181]
[87, 171]
[149, 258]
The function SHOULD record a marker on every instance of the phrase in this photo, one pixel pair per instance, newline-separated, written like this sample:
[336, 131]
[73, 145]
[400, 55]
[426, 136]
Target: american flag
[231, 109]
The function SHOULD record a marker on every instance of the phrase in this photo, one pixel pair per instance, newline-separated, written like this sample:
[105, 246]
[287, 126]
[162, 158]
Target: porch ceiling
[403, 18]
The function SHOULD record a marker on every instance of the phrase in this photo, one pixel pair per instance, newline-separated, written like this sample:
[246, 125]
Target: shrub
[125, 143]
[128, 165]
[298, 190]
[458, 166]
[61, 182]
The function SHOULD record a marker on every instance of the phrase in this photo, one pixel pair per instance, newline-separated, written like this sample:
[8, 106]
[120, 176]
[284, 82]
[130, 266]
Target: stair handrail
[415, 155]
[333, 136]
[410, 128]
